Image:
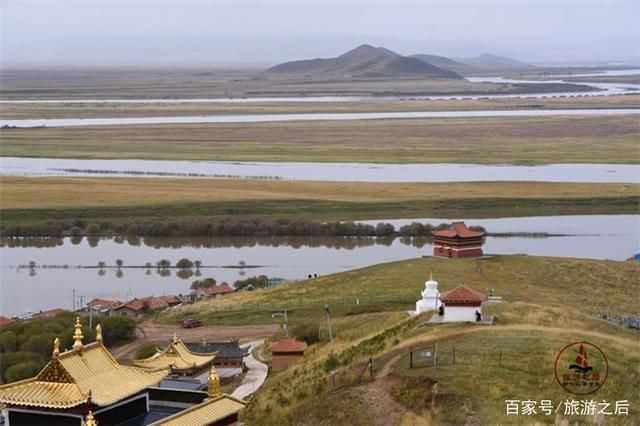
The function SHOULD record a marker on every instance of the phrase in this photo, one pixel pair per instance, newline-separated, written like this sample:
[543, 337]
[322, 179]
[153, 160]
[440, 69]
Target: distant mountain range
[366, 61]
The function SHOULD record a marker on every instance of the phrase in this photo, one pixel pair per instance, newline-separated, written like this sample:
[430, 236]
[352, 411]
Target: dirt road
[150, 332]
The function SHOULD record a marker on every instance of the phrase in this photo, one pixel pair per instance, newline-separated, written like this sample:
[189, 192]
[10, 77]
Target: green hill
[547, 303]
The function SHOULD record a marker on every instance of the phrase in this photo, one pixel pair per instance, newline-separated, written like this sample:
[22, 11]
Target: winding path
[256, 375]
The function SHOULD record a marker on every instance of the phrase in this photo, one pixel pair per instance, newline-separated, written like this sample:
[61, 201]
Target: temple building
[457, 242]
[180, 361]
[430, 296]
[462, 304]
[85, 385]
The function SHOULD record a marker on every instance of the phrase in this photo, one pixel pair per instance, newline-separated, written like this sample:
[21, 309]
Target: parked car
[191, 323]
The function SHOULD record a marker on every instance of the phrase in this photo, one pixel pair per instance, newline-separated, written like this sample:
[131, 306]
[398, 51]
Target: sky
[237, 32]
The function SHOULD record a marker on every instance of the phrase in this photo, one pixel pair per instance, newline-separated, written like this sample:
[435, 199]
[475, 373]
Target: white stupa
[430, 296]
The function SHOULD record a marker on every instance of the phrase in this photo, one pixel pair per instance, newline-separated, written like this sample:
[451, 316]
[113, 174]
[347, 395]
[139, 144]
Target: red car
[191, 323]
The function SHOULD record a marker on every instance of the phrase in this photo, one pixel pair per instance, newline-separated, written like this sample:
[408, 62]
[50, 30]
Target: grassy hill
[547, 303]
[488, 60]
[446, 63]
[364, 61]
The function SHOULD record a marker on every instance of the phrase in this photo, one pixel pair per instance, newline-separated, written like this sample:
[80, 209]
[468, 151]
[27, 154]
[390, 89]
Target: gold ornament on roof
[90, 420]
[213, 388]
[99, 333]
[77, 336]
[56, 348]
[175, 337]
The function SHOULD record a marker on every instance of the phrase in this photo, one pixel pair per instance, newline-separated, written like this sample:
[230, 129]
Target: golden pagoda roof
[74, 376]
[205, 413]
[177, 356]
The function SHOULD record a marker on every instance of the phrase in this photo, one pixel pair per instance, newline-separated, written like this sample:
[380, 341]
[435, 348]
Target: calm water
[349, 172]
[598, 237]
[263, 118]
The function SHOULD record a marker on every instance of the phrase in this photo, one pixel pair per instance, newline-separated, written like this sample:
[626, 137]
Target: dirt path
[150, 332]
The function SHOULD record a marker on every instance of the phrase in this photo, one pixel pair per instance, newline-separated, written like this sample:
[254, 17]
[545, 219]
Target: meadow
[514, 140]
[88, 200]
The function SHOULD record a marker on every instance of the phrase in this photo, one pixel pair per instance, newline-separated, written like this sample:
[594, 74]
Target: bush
[75, 232]
[13, 358]
[306, 332]
[21, 371]
[117, 330]
[184, 264]
[145, 351]
[8, 341]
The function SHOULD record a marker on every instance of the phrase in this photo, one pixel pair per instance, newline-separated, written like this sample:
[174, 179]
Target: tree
[184, 263]
[117, 330]
[197, 264]
[92, 229]
[21, 371]
[119, 263]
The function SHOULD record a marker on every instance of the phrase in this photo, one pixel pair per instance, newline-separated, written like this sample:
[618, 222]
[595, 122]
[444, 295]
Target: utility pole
[326, 309]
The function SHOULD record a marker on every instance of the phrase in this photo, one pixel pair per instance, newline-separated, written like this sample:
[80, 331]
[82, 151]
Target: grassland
[126, 198]
[203, 83]
[528, 140]
[102, 110]
[547, 303]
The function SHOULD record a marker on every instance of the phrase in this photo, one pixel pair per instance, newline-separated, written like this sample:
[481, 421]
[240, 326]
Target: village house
[457, 242]
[212, 292]
[5, 320]
[136, 307]
[49, 314]
[85, 385]
[286, 352]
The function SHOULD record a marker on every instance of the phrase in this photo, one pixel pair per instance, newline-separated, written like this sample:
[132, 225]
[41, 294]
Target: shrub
[117, 330]
[145, 351]
[306, 332]
[21, 371]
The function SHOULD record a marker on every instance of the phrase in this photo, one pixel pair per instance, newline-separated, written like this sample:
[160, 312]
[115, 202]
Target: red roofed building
[462, 304]
[457, 242]
[98, 304]
[218, 290]
[286, 352]
[171, 300]
[4, 321]
[136, 307]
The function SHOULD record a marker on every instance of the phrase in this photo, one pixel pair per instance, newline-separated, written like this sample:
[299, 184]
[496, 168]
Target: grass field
[547, 303]
[140, 198]
[524, 140]
[87, 110]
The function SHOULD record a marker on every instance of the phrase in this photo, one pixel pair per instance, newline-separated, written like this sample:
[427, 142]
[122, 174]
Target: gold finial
[99, 333]
[77, 336]
[213, 388]
[56, 347]
[175, 337]
[90, 420]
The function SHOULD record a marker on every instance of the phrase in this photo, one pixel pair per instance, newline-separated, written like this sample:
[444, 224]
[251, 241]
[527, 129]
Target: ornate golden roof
[74, 376]
[177, 356]
[205, 413]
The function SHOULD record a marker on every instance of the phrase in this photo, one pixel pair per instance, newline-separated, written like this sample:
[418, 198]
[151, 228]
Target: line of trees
[230, 227]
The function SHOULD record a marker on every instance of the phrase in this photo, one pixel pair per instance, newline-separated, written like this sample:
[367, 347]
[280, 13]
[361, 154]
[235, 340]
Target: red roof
[155, 303]
[50, 313]
[170, 299]
[457, 229]
[4, 320]
[97, 303]
[462, 293]
[218, 289]
[288, 345]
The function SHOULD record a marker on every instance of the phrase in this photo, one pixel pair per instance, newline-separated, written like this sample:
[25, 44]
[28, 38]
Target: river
[51, 283]
[345, 172]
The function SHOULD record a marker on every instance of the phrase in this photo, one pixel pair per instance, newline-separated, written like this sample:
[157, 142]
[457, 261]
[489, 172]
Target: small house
[286, 352]
[462, 304]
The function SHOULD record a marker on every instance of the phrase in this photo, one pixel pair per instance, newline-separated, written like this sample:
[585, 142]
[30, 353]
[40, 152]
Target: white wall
[460, 313]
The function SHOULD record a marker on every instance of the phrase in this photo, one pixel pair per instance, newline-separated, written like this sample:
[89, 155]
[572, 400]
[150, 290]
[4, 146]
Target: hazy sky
[265, 32]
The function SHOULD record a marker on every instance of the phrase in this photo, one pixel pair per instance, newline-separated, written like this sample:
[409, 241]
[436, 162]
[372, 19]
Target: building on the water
[462, 304]
[430, 296]
[457, 242]
[180, 361]
[86, 385]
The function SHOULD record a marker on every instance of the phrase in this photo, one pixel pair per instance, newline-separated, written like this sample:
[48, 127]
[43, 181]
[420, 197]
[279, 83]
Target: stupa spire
[77, 336]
